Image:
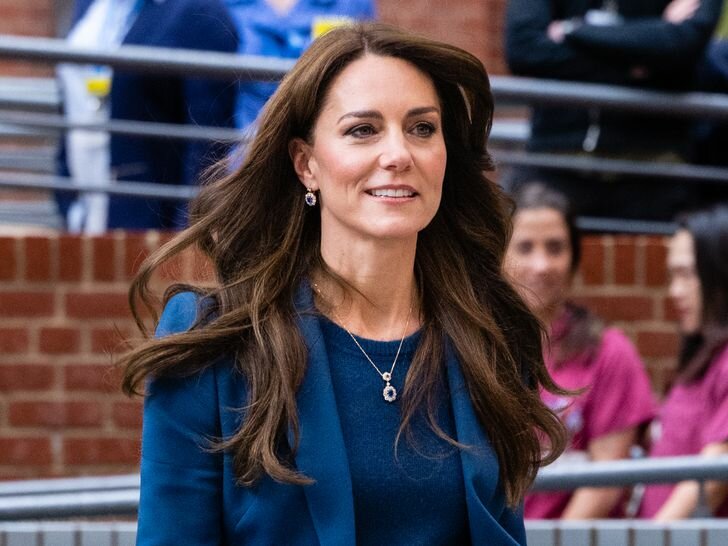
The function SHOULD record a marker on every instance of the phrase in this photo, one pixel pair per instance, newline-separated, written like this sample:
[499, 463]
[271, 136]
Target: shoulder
[179, 314]
[617, 355]
[719, 367]
[615, 343]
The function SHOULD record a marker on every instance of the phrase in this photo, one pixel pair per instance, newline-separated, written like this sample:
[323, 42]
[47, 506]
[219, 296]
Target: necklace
[389, 393]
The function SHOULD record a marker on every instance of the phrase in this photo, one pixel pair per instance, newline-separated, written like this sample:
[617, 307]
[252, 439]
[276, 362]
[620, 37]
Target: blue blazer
[140, 96]
[189, 496]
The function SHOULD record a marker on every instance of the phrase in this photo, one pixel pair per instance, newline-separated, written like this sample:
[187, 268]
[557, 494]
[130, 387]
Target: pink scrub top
[693, 415]
[617, 397]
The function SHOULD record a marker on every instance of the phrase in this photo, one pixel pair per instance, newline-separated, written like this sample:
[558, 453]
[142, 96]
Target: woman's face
[377, 156]
[538, 258]
[684, 289]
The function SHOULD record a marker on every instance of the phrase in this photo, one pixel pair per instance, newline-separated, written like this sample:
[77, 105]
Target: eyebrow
[375, 114]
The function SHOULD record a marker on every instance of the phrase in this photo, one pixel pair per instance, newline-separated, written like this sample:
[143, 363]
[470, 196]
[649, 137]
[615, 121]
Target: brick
[619, 307]
[13, 340]
[37, 259]
[103, 258]
[97, 305]
[91, 378]
[669, 311]
[24, 451]
[658, 344]
[135, 252]
[127, 414]
[97, 451]
[26, 304]
[625, 260]
[70, 258]
[8, 260]
[592, 260]
[54, 414]
[656, 262]
[59, 340]
[26, 377]
[109, 340]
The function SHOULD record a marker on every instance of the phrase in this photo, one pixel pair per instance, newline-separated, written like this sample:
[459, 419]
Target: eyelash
[356, 130]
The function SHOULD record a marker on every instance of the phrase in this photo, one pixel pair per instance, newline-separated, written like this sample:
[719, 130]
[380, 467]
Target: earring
[310, 198]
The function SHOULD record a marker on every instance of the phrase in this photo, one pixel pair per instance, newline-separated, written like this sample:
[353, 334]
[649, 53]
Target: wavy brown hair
[264, 243]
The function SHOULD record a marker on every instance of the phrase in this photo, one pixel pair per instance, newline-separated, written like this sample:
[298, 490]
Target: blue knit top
[411, 495]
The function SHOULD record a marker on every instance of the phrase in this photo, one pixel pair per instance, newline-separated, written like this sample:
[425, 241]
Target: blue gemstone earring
[310, 198]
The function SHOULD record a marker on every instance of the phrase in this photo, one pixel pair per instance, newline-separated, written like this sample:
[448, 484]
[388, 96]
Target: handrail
[505, 88]
[631, 471]
[649, 169]
[147, 59]
[119, 495]
[81, 484]
[130, 188]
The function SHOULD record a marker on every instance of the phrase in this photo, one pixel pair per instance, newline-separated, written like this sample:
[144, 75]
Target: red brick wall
[63, 308]
[27, 18]
[474, 25]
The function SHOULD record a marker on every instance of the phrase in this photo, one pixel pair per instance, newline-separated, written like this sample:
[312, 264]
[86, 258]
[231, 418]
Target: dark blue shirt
[414, 495]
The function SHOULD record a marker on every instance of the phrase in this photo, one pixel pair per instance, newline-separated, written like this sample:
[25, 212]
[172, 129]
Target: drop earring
[310, 198]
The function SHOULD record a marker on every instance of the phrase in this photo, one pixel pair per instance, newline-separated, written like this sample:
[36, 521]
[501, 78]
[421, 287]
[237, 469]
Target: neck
[379, 289]
[547, 315]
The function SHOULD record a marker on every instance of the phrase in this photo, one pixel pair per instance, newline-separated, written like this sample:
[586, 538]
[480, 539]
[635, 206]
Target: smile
[399, 192]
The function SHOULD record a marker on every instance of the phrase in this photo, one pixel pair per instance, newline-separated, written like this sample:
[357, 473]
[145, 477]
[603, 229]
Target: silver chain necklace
[389, 392]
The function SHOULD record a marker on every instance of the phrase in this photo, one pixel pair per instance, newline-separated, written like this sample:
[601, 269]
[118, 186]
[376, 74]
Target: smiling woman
[362, 373]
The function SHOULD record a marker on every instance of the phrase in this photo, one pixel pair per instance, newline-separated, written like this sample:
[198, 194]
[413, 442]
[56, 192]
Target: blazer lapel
[321, 453]
[479, 462]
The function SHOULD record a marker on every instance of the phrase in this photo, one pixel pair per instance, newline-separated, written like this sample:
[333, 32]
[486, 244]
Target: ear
[300, 152]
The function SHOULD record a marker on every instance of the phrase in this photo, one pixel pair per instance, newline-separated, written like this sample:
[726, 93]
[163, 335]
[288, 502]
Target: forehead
[681, 250]
[379, 81]
[539, 223]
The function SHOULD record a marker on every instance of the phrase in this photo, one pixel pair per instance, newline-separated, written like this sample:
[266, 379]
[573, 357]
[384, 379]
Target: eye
[423, 129]
[556, 248]
[524, 247]
[361, 131]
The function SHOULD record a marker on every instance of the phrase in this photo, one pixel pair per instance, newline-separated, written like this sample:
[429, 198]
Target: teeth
[392, 193]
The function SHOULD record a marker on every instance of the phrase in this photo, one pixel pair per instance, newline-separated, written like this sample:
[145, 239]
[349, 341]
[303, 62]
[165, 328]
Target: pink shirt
[693, 415]
[618, 397]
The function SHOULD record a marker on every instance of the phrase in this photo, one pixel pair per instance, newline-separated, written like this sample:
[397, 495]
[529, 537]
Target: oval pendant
[389, 393]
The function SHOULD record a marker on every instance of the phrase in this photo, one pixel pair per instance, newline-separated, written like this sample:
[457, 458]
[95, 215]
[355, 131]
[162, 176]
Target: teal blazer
[189, 496]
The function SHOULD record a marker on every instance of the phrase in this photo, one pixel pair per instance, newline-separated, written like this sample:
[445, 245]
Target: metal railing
[204, 63]
[119, 495]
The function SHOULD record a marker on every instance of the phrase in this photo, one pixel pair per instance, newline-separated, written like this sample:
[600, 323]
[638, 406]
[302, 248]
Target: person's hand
[678, 11]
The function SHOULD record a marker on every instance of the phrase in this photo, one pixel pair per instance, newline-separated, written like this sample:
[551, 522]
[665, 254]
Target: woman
[615, 398]
[362, 372]
[694, 416]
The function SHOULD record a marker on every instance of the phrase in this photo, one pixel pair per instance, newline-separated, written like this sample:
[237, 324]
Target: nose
[540, 262]
[395, 154]
[676, 289]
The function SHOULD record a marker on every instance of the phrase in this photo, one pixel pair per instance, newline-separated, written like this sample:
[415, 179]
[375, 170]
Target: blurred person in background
[654, 44]
[604, 420]
[95, 94]
[284, 29]
[693, 418]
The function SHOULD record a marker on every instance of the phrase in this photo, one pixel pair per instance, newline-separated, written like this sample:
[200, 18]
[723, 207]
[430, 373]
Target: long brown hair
[264, 243]
[709, 229]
